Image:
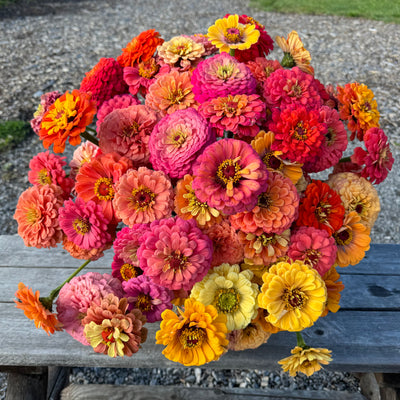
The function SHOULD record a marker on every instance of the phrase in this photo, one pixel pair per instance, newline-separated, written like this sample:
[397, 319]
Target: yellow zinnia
[293, 294]
[228, 33]
[194, 337]
[307, 360]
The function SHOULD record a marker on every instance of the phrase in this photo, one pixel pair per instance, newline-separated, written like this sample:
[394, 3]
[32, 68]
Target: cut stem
[300, 341]
[88, 136]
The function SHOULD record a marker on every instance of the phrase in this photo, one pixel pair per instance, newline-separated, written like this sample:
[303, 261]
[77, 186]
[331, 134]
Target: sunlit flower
[33, 308]
[67, 118]
[46, 100]
[333, 287]
[84, 153]
[293, 294]
[194, 337]
[231, 292]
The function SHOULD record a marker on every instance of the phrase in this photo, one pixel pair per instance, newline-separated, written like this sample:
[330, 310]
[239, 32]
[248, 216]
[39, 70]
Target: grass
[381, 10]
[12, 133]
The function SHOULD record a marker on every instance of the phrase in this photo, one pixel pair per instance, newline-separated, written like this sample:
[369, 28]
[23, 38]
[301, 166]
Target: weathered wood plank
[356, 339]
[132, 392]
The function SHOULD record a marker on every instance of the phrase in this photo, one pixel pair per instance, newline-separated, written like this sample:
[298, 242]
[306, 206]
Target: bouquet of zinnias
[199, 175]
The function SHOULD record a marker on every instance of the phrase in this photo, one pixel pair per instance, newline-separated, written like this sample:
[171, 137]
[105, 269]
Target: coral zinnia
[177, 140]
[67, 118]
[141, 76]
[306, 360]
[229, 176]
[261, 69]
[104, 81]
[228, 33]
[321, 207]
[231, 292]
[142, 196]
[37, 216]
[194, 337]
[333, 287]
[91, 254]
[126, 131]
[141, 48]
[293, 294]
[33, 309]
[175, 253]
[377, 159]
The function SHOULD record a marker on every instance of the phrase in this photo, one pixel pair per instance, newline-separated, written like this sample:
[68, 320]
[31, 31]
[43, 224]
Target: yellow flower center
[293, 298]
[142, 198]
[322, 211]
[311, 257]
[228, 172]
[32, 216]
[44, 177]
[227, 300]
[224, 72]
[148, 69]
[61, 114]
[143, 302]
[177, 137]
[103, 189]
[234, 35]
[175, 95]
[131, 130]
[81, 226]
[107, 336]
[300, 132]
[344, 237]
[129, 271]
[273, 162]
[175, 261]
[181, 46]
[192, 337]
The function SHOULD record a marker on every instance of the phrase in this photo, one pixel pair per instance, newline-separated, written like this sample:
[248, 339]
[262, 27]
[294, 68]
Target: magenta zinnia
[229, 176]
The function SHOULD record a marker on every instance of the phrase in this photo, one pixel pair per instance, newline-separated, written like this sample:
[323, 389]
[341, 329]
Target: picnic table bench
[364, 336]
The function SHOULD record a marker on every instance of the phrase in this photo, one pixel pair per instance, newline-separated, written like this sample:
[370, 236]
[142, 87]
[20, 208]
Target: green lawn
[382, 10]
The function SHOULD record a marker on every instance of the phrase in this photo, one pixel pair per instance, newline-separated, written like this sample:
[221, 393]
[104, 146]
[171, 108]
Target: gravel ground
[50, 46]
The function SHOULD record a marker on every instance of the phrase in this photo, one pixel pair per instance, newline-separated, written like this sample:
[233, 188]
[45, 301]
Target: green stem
[88, 128]
[88, 136]
[232, 52]
[300, 341]
[345, 159]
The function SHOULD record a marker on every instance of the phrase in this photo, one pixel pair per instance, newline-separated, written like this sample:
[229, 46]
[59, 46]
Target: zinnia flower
[142, 196]
[220, 76]
[228, 34]
[231, 292]
[238, 114]
[149, 298]
[188, 206]
[357, 194]
[250, 337]
[261, 68]
[46, 100]
[294, 53]
[305, 360]
[124, 271]
[276, 208]
[84, 223]
[104, 81]
[37, 216]
[175, 253]
[126, 131]
[333, 287]
[91, 254]
[321, 207]
[113, 330]
[352, 240]
[140, 48]
[67, 118]
[34, 309]
[194, 337]
[84, 153]
[314, 247]
[177, 140]
[171, 92]
[141, 76]
[293, 294]
[377, 159]
[229, 176]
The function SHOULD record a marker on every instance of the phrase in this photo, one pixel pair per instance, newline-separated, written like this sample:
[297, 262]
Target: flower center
[143, 302]
[44, 177]
[81, 226]
[311, 257]
[142, 198]
[322, 211]
[227, 300]
[129, 271]
[233, 35]
[272, 161]
[61, 114]
[330, 136]
[181, 47]
[229, 171]
[131, 130]
[177, 137]
[32, 216]
[192, 337]
[344, 237]
[103, 189]
[175, 95]
[107, 336]
[293, 89]
[148, 69]
[264, 201]
[293, 298]
[366, 107]
[224, 72]
[175, 261]
[300, 132]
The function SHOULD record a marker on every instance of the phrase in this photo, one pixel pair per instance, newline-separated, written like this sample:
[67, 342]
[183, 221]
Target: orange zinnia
[333, 287]
[34, 309]
[140, 49]
[66, 119]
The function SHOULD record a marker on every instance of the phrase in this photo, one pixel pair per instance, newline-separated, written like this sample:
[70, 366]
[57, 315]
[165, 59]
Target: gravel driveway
[40, 53]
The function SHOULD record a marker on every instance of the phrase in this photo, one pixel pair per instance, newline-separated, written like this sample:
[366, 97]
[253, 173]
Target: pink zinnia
[84, 223]
[127, 132]
[220, 76]
[46, 169]
[238, 114]
[37, 216]
[46, 100]
[151, 299]
[377, 159]
[286, 87]
[117, 102]
[177, 140]
[175, 253]
[276, 208]
[141, 76]
[76, 297]
[84, 153]
[142, 196]
[229, 176]
[298, 133]
[124, 271]
[104, 81]
[334, 144]
[314, 247]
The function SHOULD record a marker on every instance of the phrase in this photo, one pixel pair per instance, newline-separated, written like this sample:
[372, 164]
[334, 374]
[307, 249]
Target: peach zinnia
[67, 118]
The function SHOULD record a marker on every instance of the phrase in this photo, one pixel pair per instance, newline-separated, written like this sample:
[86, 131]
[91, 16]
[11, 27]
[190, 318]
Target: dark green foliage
[12, 133]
